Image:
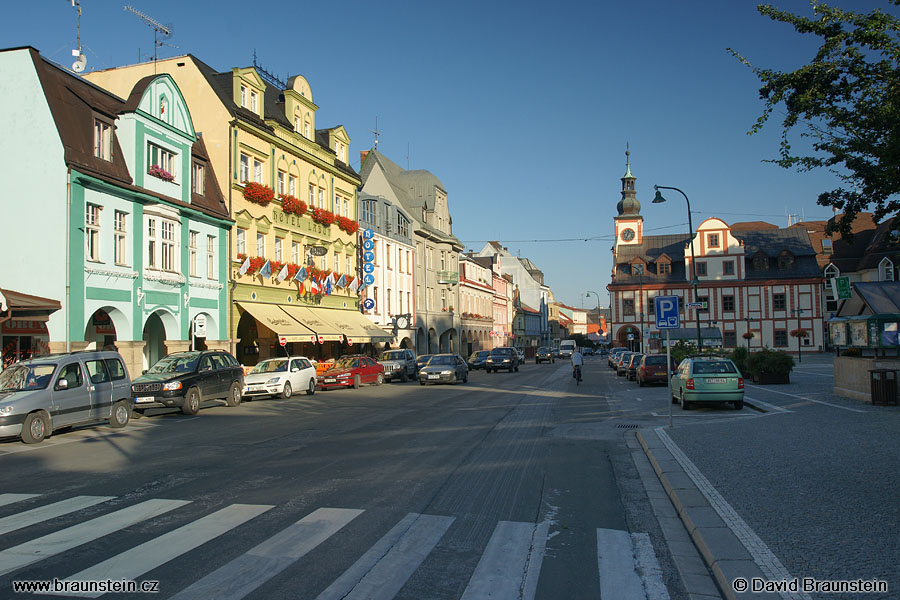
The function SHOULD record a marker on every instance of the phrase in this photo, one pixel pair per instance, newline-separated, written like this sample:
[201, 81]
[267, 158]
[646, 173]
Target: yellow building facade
[292, 195]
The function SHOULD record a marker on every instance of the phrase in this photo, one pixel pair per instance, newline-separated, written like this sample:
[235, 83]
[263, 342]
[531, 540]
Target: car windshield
[345, 363]
[441, 360]
[658, 359]
[501, 352]
[19, 378]
[713, 367]
[275, 365]
[176, 363]
[393, 355]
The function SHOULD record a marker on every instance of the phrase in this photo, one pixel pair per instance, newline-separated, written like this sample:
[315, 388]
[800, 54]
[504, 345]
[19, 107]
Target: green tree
[847, 102]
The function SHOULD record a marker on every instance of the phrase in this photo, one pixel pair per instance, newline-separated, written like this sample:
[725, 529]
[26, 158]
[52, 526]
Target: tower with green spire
[629, 222]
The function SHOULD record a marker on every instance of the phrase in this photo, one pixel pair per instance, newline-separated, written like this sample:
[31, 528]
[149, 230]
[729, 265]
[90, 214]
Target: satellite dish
[80, 62]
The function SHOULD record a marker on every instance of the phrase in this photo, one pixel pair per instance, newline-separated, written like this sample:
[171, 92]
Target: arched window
[832, 271]
[886, 270]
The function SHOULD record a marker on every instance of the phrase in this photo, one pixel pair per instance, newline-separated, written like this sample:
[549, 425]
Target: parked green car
[707, 380]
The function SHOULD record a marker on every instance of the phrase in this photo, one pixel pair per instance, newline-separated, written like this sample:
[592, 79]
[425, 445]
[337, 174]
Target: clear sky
[522, 109]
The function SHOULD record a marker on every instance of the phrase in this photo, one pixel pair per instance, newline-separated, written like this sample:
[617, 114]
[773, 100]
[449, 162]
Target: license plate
[145, 399]
[434, 377]
[330, 380]
[717, 380]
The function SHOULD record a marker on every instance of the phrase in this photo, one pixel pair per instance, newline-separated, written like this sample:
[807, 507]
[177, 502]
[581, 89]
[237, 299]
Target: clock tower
[629, 222]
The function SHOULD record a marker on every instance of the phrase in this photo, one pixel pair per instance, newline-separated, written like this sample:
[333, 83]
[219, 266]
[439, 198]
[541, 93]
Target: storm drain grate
[627, 426]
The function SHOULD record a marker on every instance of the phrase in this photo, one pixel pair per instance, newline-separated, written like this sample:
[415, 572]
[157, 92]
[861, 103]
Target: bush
[681, 350]
[739, 357]
[766, 361]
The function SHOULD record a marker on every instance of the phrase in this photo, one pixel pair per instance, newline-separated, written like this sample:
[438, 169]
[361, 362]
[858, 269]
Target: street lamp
[798, 312]
[658, 199]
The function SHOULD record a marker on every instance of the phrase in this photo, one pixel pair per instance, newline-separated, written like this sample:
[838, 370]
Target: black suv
[502, 358]
[185, 379]
[544, 354]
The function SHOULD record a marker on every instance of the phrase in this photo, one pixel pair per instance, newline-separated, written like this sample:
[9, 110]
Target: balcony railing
[448, 276]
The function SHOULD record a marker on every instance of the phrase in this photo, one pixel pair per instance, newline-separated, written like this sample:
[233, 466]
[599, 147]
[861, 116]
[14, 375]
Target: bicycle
[576, 374]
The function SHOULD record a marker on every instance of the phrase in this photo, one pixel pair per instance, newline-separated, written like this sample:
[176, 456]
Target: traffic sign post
[668, 317]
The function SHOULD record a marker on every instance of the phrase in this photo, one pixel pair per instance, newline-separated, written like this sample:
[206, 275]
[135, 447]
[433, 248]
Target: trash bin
[883, 384]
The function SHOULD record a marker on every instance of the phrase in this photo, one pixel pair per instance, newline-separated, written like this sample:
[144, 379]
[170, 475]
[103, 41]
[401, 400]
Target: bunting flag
[328, 285]
[362, 286]
[245, 266]
[313, 286]
[301, 275]
[354, 284]
[266, 270]
[302, 289]
[342, 282]
[282, 274]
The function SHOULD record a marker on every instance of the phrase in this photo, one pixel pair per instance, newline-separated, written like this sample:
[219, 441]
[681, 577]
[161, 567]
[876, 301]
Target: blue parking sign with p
[667, 316]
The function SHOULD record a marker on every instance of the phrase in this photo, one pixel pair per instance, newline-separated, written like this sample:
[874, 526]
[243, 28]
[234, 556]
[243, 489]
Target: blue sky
[522, 109]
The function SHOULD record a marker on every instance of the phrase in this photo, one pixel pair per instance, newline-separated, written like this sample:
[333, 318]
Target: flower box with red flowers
[290, 204]
[799, 333]
[258, 193]
[323, 217]
[348, 225]
[276, 266]
[157, 171]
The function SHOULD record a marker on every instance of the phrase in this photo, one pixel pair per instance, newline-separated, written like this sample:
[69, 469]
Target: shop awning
[24, 307]
[282, 324]
[316, 321]
[358, 328]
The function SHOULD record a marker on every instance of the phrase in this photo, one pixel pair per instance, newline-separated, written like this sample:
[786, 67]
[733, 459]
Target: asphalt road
[515, 485]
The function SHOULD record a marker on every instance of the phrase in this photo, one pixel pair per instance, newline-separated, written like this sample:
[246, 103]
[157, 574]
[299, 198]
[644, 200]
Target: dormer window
[254, 101]
[785, 260]
[664, 268]
[831, 272]
[761, 262]
[198, 179]
[306, 128]
[161, 162]
[713, 240]
[244, 96]
[297, 124]
[827, 246]
[102, 139]
[886, 270]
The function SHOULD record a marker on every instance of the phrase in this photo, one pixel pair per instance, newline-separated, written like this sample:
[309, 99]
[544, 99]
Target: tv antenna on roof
[80, 58]
[158, 29]
[376, 132]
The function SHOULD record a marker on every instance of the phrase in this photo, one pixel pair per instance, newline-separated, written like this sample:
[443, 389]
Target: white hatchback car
[280, 377]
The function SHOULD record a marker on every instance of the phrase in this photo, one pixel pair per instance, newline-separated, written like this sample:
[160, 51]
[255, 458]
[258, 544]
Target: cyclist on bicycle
[577, 362]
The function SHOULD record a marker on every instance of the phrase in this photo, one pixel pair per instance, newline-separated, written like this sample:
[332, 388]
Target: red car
[352, 371]
[652, 369]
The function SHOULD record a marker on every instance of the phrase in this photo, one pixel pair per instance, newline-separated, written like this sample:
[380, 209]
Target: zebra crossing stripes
[13, 498]
[383, 570]
[133, 563]
[72, 537]
[511, 562]
[627, 572]
[50, 511]
[247, 572]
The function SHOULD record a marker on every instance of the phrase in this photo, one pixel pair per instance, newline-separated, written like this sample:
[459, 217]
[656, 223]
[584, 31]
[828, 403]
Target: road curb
[723, 552]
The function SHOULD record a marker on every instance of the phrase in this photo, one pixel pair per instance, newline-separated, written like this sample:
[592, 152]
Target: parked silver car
[48, 392]
[444, 368]
[398, 364]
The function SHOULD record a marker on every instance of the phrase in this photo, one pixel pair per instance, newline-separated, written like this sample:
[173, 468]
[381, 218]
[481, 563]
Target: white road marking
[645, 560]
[616, 562]
[381, 572]
[856, 410]
[50, 511]
[769, 407]
[514, 552]
[133, 563]
[13, 498]
[258, 565]
[768, 563]
[72, 537]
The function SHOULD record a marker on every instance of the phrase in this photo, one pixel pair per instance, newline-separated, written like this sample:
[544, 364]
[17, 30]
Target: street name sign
[667, 316]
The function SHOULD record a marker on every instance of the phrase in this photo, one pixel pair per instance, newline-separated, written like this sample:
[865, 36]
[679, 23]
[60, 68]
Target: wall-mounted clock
[627, 234]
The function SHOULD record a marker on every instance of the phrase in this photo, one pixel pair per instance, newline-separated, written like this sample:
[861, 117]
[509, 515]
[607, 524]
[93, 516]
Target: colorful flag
[302, 289]
[245, 266]
[301, 275]
[328, 285]
[354, 284]
[342, 282]
[282, 274]
[266, 270]
[313, 286]
[362, 286]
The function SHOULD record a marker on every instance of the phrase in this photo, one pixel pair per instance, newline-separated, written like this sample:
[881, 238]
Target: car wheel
[380, 379]
[640, 382]
[466, 377]
[739, 405]
[517, 368]
[405, 377]
[685, 405]
[311, 388]
[191, 404]
[356, 382]
[234, 395]
[119, 415]
[287, 391]
[36, 428]
[455, 379]
[421, 381]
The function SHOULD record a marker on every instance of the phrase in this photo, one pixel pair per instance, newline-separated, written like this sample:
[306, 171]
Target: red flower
[290, 204]
[258, 193]
[798, 333]
[323, 217]
[348, 225]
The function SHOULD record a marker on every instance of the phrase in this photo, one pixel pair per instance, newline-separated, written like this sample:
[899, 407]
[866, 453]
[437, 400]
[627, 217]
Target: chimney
[362, 157]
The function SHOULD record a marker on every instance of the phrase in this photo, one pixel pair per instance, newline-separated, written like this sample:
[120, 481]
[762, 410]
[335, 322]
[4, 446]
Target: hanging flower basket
[323, 217]
[157, 171]
[748, 335]
[290, 204]
[799, 333]
[258, 193]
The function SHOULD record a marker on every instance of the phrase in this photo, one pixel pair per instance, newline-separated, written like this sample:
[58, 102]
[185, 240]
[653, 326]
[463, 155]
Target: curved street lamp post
[659, 199]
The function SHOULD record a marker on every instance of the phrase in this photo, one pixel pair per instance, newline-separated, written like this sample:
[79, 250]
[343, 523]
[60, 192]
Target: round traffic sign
[282, 340]
[368, 304]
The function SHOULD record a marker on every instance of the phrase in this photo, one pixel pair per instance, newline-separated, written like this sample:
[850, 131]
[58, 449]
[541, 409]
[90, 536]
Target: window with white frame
[241, 240]
[443, 298]
[167, 245]
[347, 208]
[261, 245]
[151, 243]
[443, 261]
[257, 171]
[388, 298]
[306, 127]
[368, 211]
[827, 246]
[282, 181]
[210, 257]
[120, 241]
[193, 249]
[312, 195]
[337, 262]
[295, 253]
[402, 225]
[886, 270]
[254, 101]
[338, 205]
[245, 168]
[279, 243]
[831, 272]
[349, 265]
[321, 198]
[296, 123]
[157, 156]
[244, 96]
[387, 253]
[198, 179]
[102, 139]
[92, 232]
[292, 186]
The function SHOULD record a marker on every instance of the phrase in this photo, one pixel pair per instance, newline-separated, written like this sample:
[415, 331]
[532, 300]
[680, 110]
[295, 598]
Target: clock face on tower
[627, 235]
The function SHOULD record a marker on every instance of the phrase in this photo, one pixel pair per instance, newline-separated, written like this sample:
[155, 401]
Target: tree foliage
[847, 102]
